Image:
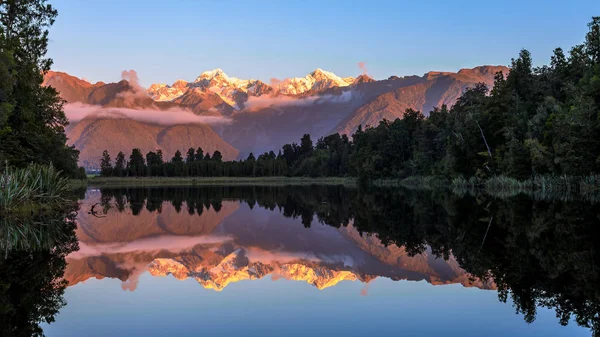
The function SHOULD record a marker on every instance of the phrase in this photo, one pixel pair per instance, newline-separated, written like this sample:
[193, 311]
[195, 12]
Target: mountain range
[237, 116]
[237, 242]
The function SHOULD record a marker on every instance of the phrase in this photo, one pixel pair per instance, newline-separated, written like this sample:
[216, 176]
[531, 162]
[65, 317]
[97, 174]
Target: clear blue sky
[167, 40]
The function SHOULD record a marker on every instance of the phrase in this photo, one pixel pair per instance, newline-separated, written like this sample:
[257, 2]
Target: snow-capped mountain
[163, 92]
[235, 91]
[255, 116]
[316, 81]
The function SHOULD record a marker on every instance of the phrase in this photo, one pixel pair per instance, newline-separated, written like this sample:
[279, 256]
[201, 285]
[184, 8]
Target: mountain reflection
[537, 253]
[203, 234]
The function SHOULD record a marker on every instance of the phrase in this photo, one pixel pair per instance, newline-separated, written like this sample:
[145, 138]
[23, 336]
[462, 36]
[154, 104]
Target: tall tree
[199, 154]
[32, 120]
[120, 165]
[137, 165]
[106, 168]
[306, 145]
[190, 156]
[177, 158]
[217, 156]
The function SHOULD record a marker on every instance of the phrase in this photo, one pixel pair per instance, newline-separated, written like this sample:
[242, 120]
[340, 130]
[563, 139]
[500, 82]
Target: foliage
[32, 187]
[33, 263]
[534, 122]
[539, 253]
[32, 121]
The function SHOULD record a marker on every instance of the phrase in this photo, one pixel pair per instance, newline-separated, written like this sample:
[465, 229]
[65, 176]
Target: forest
[534, 121]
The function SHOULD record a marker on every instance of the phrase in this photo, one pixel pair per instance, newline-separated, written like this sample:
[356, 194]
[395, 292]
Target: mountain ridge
[261, 117]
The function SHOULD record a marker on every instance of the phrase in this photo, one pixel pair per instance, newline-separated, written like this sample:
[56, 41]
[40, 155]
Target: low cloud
[365, 290]
[255, 103]
[274, 82]
[171, 243]
[131, 76]
[137, 91]
[363, 67]
[269, 257]
[75, 112]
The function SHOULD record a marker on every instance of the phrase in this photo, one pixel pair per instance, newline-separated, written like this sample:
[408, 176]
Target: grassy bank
[198, 181]
[415, 182]
[31, 189]
[539, 187]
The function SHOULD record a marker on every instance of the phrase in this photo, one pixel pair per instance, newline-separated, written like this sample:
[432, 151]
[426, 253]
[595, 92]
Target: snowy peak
[322, 75]
[164, 93]
[218, 81]
[215, 77]
[317, 80]
[237, 267]
[218, 72]
[180, 84]
[230, 89]
[258, 88]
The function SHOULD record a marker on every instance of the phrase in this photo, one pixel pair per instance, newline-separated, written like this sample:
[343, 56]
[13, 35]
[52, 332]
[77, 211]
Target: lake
[322, 260]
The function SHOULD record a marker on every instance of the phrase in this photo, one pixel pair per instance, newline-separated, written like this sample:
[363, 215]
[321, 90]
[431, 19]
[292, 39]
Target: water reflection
[205, 235]
[538, 253]
[33, 262]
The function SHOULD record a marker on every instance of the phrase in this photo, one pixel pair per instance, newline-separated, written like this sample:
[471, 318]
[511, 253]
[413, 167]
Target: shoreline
[543, 187]
[204, 181]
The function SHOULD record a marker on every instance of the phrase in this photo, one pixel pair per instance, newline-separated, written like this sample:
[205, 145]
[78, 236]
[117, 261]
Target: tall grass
[35, 232]
[424, 182]
[461, 186]
[33, 186]
[35, 210]
[540, 187]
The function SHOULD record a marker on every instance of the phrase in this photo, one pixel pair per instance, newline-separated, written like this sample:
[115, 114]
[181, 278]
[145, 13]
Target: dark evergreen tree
[217, 156]
[190, 156]
[32, 121]
[177, 158]
[136, 165]
[120, 165]
[199, 154]
[106, 169]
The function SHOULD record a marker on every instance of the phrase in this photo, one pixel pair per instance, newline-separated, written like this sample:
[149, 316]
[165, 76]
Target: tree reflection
[539, 252]
[31, 284]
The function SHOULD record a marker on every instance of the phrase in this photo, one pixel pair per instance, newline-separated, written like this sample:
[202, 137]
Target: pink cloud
[75, 112]
[274, 82]
[171, 243]
[255, 103]
[363, 67]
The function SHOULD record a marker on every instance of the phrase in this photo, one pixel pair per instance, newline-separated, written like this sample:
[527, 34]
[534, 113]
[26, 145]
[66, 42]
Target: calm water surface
[297, 261]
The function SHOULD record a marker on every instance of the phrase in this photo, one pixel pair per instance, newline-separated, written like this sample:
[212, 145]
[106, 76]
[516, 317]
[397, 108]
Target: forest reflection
[538, 252]
[33, 262]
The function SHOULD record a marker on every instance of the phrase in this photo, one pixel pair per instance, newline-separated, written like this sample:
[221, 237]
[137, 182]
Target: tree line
[330, 157]
[534, 121]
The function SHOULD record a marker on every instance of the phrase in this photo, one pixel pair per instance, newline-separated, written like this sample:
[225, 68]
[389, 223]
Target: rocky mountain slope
[262, 117]
[435, 90]
[107, 124]
[94, 135]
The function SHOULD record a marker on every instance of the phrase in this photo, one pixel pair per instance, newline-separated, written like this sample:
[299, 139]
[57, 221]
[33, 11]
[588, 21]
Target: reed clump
[35, 186]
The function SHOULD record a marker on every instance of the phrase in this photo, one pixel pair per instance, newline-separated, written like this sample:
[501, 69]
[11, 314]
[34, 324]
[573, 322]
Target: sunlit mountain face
[219, 239]
[239, 116]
